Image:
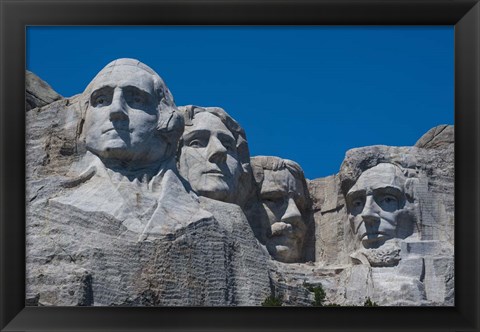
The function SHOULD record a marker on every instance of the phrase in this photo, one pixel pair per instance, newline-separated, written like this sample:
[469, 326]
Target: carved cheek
[93, 125]
[270, 213]
[234, 168]
[199, 155]
[351, 219]
[191, 163]
[195, 156]
[356, 223]
[389, 217]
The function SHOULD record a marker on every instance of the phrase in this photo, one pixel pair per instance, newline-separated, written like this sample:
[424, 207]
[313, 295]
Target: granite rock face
[437, 137]
[164, 207]
[73, 262]
[37, 92]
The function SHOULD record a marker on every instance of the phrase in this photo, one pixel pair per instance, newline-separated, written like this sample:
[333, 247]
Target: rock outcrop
[437, 138]
[37, 92]
[107, 226]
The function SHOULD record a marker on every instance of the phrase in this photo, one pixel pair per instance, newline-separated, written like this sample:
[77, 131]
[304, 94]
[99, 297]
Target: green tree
[370, 303]
[318, 293]
[272, 301]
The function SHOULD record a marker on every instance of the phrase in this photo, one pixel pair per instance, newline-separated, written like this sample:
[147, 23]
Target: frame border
[15, 15]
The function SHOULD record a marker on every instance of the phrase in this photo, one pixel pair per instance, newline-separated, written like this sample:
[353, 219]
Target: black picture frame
[16, 15]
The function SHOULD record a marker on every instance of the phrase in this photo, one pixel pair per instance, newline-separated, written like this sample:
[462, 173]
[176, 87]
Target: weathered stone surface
[248, 264]
[202, 264]
[37, 92]
[437, 137]
[111, 221]
[74, 290]
[414, 281]
[332, 245]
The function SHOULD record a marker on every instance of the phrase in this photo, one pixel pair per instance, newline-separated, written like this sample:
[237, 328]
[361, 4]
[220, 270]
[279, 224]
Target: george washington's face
[121, 118]
[376, 206]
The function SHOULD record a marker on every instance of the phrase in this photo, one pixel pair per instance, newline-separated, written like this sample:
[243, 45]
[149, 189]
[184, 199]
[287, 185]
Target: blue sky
[303, 93]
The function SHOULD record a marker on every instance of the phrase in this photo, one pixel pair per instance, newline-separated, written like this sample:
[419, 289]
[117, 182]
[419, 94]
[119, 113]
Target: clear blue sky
[303, 93]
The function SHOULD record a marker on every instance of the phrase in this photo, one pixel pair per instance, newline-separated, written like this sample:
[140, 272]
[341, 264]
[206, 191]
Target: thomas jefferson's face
[121, 118]
[209, 159]
[281, 196]
[376, 206]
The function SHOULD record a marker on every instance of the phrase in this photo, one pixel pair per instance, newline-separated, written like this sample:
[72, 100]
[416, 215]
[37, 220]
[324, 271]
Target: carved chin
[111, 149]
[375, 240]
[285, 254]
[215, 187]
[218, 192]
[284, 248]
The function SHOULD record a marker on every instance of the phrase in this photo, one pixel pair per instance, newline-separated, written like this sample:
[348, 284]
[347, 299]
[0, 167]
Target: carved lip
[116, 129]
[376, 234]
[213, 172]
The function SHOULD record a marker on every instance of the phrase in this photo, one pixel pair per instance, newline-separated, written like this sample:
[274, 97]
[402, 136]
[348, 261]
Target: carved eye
[356, 205]
[389, 199]
[388, 202]
[274, 201]
[100, 100]
[137, 99]
[357, 202]
[195, 144]
[228, 144]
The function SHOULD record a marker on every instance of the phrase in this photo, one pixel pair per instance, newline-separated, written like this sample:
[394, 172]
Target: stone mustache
[133, 200]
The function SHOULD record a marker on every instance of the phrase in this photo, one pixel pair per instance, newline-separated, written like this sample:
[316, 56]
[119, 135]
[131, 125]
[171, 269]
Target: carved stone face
[280, 198]
[209, 159]
[376, 206]
[122, 116]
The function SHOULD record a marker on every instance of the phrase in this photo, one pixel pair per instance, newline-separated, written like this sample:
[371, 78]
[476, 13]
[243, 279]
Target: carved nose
[217, 153]
[117, 109]
[370, 211]
[292, 214]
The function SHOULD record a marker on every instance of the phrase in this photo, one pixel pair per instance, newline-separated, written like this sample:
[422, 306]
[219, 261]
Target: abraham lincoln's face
[376, 206]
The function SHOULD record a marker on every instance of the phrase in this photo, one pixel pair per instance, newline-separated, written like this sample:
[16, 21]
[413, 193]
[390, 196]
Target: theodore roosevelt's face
[209, 158]
[376, 204]
[121, 118]
[281, 195]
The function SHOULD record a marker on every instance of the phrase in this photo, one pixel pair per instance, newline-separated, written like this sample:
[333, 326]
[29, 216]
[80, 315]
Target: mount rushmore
[132, 200]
